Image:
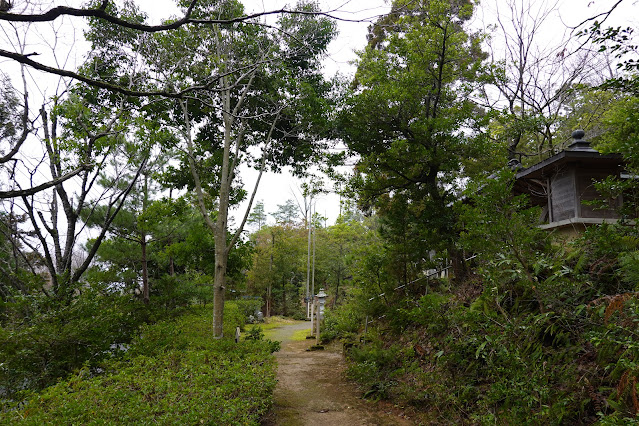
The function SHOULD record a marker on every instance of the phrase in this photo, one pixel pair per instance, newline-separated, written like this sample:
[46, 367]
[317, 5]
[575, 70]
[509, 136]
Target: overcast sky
[276, 189]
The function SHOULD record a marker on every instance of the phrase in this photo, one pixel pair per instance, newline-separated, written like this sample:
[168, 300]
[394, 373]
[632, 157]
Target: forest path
[312, 390]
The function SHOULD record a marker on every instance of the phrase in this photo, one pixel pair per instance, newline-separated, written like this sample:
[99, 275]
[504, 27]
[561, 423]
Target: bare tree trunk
[220, 227]
[218, 288]
[269, 288]
[145, 272]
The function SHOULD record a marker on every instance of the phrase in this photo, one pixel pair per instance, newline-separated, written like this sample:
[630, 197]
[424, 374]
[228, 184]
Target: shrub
[344, 322]
[255, 333]
[174, 373]
[54, 341]
[249, 306]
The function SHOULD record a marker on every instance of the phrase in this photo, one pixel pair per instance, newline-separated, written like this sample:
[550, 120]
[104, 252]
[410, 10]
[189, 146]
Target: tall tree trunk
[269, 288]
[145, 271]
[219, 285]
[221, 249]
[284, 304]
[143, 243]
[219, 227]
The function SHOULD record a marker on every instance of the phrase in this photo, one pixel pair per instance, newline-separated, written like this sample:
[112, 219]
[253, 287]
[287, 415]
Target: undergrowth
[540, 330]
[173, 373]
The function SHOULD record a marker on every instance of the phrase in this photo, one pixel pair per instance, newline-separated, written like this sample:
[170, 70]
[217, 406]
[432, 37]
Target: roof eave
[565, 156]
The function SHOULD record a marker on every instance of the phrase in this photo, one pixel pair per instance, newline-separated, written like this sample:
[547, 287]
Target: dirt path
[312, 390]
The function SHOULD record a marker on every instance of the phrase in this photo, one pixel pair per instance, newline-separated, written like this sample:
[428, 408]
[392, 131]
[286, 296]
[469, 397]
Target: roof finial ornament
[578, 135]
[579, 144]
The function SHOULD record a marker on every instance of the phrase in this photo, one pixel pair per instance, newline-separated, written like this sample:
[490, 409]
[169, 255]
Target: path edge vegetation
[533, 330]
[172, 373]
[530, 327]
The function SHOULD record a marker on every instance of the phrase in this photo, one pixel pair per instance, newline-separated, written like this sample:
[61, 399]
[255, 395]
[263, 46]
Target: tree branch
[78, 272]
[30, 191]
[257, 183]
[60, 11]
[25, 123]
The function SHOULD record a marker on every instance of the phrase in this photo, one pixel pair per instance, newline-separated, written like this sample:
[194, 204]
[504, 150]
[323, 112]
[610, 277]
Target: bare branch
[194, 173]
[24, 59]
[606, 14]
[257, 183]
[107, 224]
[60, 11]
[25, 124]
[36, 189]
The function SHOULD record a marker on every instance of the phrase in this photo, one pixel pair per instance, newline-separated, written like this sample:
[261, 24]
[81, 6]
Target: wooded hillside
[452, 293]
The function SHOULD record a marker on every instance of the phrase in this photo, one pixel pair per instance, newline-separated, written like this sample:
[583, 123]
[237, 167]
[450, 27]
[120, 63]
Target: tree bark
[145, 272]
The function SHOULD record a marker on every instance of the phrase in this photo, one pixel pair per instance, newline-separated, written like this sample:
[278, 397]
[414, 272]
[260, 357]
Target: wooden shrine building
[562, 183]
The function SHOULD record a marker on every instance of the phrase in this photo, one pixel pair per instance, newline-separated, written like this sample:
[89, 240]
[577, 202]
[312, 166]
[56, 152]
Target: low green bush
[248, 307]
[343, 323]
[537, 331]
[51, 342]
[174, 373]
[256, 333]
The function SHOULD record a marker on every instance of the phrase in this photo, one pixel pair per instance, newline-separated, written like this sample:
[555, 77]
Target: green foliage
[629, 267]
[174, 291]
[175, 373]
[344, 322]
[278, 267]
[410, 98]
[542, 331]
[494, 221]
[371, 366]
[10, 120]
[249, 307]
[53, 341]
[179, 253]
[258, 215]
[287, 214]
[606, 258]
[618, 351]
[255, 333]
[620, 44]
[622, 134]
[520, 266]
[475, 367]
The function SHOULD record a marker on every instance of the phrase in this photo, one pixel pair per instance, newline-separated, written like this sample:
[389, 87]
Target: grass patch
[300, 335]
[277, 321]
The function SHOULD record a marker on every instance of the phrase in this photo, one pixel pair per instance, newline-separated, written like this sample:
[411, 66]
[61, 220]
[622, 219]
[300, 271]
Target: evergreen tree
[411, 120]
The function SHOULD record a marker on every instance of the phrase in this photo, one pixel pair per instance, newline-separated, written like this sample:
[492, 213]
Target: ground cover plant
[174, 373]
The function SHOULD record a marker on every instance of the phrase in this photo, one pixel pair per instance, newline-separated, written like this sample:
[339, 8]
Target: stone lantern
[318, 305]
[321, 299]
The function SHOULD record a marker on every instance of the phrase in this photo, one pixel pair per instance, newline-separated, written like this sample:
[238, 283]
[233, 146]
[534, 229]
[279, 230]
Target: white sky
[276, 189]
